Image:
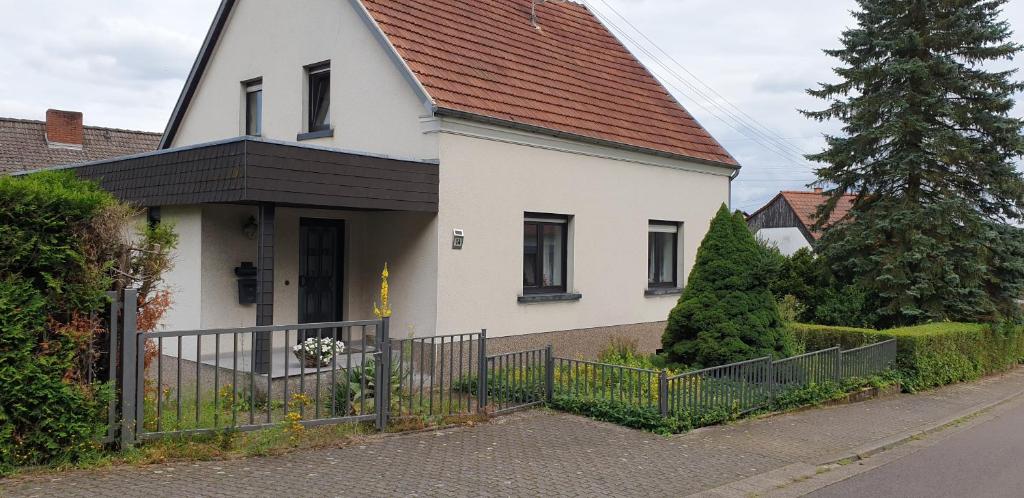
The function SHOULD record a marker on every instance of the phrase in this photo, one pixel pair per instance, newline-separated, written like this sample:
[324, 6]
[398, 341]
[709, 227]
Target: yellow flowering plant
[384, 309]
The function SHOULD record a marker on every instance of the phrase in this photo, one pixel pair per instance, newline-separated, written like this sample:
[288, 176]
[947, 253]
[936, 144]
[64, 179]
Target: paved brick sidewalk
[539, 453]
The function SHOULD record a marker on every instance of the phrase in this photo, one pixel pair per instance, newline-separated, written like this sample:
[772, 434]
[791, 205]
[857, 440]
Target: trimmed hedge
[930, 355]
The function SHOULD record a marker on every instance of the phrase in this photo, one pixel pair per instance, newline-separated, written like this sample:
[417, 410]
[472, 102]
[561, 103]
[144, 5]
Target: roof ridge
[84, 126]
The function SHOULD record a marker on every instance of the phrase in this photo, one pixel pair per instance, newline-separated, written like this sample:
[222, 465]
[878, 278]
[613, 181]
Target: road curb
[891, 442]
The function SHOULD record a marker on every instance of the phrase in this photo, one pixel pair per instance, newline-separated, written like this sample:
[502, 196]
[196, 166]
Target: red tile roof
[805, 205]
[23, 145]
[485, 58]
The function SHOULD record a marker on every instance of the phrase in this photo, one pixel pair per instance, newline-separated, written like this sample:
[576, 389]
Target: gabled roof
[805, 206]
[485, 60]
[23, 145]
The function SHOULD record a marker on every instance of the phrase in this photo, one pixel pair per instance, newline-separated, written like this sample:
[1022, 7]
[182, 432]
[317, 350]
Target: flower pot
[312, 361]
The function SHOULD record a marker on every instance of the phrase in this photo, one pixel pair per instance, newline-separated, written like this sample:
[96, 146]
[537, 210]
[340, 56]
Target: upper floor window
[319, 77]
[662, 254]
[545, 243]
[254, 108]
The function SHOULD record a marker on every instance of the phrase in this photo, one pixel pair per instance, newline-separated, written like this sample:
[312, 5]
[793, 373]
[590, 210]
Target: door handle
[302, 280]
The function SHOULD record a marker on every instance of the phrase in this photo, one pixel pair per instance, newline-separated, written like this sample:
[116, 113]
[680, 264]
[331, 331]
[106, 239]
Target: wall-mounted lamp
[249, 228]
[458, 237]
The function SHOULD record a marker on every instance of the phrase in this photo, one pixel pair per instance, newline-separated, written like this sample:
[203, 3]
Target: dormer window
[319, 77]
[254, 107]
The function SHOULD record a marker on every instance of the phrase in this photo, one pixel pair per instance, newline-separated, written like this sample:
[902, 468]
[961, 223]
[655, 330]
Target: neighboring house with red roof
[527, 180]
[27, 144]
[788, 220]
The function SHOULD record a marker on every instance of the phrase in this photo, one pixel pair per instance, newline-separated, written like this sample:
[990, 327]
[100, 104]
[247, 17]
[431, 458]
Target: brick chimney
[63, 128]
[818, 190]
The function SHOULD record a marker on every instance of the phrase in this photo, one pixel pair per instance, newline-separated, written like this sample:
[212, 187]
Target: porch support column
[264, 287]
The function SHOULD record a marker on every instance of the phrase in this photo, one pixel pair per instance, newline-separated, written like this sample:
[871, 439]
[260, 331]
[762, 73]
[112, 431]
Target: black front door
[320, 265]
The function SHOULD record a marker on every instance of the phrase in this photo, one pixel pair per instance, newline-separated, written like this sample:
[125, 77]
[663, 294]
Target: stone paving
[539, 453]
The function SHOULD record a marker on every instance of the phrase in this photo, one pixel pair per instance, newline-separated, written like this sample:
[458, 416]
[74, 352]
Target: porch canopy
[252, 170]
[265, 173]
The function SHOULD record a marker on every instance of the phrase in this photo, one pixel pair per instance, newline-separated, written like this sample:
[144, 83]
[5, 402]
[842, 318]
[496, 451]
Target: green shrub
[625, 351]
[790, 308]
[625, 414]
[54, 271]
[506, 385]
[727, 312]
[930, 355]
[43, 418]
[817, 393]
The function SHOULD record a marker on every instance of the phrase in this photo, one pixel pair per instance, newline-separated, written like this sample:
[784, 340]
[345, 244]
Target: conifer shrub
[727, 312]
[57, 248]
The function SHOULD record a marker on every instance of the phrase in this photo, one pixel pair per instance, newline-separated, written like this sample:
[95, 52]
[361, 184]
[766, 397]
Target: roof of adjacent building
[23, 145]
[805, 206]
[485, 60]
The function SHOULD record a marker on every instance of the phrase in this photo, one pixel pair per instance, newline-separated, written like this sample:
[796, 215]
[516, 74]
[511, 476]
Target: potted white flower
[317, 352]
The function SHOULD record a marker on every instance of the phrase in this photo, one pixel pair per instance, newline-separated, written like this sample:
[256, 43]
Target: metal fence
[867, 360]
[429, 375]
[809, 368]
[740, 387]
[516, 380]
[734, 388]
[204, 380]
[600, 381]
[200, 381]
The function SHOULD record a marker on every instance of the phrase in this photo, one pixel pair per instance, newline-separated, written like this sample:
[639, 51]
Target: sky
[123, 63]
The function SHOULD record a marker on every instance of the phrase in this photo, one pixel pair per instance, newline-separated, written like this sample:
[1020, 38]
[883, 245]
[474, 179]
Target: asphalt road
[986, 460]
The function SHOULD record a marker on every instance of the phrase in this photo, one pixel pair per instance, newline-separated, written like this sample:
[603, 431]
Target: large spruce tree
[727, 312]
[929, 149]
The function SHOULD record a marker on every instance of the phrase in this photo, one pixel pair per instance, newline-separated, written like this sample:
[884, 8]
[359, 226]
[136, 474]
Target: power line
[743, 119]
[777, 150]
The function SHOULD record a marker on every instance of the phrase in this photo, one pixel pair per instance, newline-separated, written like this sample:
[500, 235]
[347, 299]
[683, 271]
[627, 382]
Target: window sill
[549, 298]
[663, 291]
[309, 135]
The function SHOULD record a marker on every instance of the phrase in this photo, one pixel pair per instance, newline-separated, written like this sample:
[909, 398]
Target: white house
[317, 140]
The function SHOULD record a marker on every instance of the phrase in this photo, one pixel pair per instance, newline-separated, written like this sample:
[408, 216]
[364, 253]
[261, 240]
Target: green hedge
[930, 355]
[53, 275]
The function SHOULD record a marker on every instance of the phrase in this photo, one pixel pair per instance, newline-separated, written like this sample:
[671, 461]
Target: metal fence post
[382, 398]
[112, 353]
[549, 369]
[663, 393]
[481, 376]
[838, 364]
[129, 365]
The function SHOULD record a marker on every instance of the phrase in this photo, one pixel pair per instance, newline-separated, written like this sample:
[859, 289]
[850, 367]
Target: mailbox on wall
[246, 283]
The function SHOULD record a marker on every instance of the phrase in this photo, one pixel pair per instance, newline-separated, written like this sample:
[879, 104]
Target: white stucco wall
[184, 279]
[213, 244]
[373, 108]
[788, 239]
[488, 184]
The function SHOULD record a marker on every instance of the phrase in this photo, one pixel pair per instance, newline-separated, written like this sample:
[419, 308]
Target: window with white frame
[662, 254]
